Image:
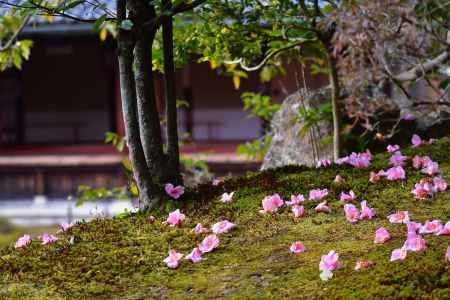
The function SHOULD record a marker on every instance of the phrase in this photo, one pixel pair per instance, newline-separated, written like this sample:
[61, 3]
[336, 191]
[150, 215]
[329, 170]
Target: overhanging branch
[421, 69]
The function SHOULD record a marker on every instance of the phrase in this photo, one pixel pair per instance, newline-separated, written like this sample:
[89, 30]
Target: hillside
[123, 257]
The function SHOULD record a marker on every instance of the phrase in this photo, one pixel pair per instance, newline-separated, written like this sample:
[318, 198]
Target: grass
[123, 257]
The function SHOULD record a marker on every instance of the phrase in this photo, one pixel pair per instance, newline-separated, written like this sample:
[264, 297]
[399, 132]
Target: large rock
[288, 147]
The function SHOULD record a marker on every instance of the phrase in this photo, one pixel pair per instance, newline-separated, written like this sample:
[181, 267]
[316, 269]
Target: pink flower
[447, 254]
[393, 148]
[366, 211]
[430, 168]
[412, 228]
[199, 229]
[330, 261]
[434, 226]
[173, 260]
[381, 236]
[351, 213]
[318, 194]
[175, 218]
[65, 226]
[48, 239]
[222, 227]
[363, 264]
[295, 199]
[417, 162]
[399, 217]
[395, 173]
[408, 117]
[415, 243]
[416, 141]
[338, 179]
[360, 160]
[348, 197]
[195, 256]
[271, 203]
[323, 163]
[374, 177]
[209, 243]
[297, 247]
[342, 160]
[226, 197]
[445, 230]
[399, 254]
[174, 192]
[298, 210]
[439, 184]
[422, 191]
[397, 159]
[23, 241]
[322, 207]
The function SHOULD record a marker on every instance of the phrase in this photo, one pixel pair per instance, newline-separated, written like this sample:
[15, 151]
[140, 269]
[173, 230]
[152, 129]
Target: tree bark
[173, 163]
[335, 97]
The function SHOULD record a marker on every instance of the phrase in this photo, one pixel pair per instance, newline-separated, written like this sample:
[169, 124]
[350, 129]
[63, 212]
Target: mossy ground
[122, 257]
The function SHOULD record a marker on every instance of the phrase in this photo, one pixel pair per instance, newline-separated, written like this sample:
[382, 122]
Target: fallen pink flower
[359, 160]
[395, 173]
[323, 163]
[416, 141]
[348, 197]
[447, 254]
[295, 199]
[222, 227]
[351, 213]
[422, 191]
[415, 243]
[174, 192]
[398, 254]
[445, 230]
[23, 241]
[330, 261]
[66, 226]
[175, 218]
[367, 213]
[48, 239]
[374, 177]
[297, 247]
[408, 117]
[322, 207]
[209, 243]
[417, 162]
[381, 236]
[226, 197]
[195, 256]
[397, 159]
[412, 228]
[393, 148]
[399, 217]
[199, 229]
[431, 168]
[431, 227]
[173, 260]
[338, 179]
[364, 264]
[271, 204]
[298, 210]
[318, 194]
[342, 160]
[439, 184]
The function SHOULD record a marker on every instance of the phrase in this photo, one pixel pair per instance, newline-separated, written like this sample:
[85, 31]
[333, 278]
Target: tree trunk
[147, 197]
[335, 95]
[173, 164]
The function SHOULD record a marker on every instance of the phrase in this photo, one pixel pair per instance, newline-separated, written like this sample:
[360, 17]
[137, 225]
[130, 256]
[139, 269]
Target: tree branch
[10, 42]
[419, 70]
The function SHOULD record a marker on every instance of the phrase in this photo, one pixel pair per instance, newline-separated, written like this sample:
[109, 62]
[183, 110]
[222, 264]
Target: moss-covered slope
[123, 258]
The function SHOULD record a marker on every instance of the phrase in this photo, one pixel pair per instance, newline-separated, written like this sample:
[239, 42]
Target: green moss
[122, 258]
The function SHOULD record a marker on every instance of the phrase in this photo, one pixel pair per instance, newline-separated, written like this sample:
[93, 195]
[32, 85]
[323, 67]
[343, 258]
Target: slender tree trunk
[335, 95]
[173, 165]
[128, 94]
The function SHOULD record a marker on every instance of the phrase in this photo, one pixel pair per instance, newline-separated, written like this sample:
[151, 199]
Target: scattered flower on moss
[272, 203]
[199, 229]
[338, 179]
[323, 163]
[364, 264]
[329, 261]
[65, 227]
[416, 141]
[381, 236]
[23, 241]
[318, 194]
[297, 247]
[445, 230]
[431, 227]
[415, 243]
[174, 191]
[175, 218]
[351, 213]
[422, 190]
[173, 260]
[209, 243]
[398, 254]
[374, 177]
[322, 208]
[348, 197]
[412, 227]
[298, 210]
[439, 184]
[367, 213]
[48, 239]
[195, 256]
[295, 199]
[399, 217]
[222, 227]
[395, 173]
[392, 148]
[226, 197]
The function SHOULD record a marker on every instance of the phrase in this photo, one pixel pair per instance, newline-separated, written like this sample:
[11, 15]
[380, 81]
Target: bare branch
[421, 69]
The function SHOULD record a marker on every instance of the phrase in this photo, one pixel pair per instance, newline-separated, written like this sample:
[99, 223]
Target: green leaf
[73, 4]
[98, 23]
[444, 83]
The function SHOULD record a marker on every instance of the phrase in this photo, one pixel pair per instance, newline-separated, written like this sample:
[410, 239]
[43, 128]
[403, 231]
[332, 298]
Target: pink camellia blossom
[342, 160]
[318, 194]
[222, 227]
[439, 184]
[415, 243]
[173, 260]
[195, 256]
[445, 230]
[431, 227]
[23, 241]
[422, 191]
[395, 173]
[272, 203]
[348, 197]
[48, 239]
[351, 213]
[323, 163]
[359, 160]
[298, 210]
[364, 264]
[174, 191]
[381, 236]
[408, 117]
[367, 213]
[295, 199]
[447, 254]
[322, 207]
[199, 229]
[431, 168]
[175, 218]
[412, 228]
[297, 247]
[397, 159]
[393, 148]
[338, 179]
[65, 227]
[209, 243]
[399, 254]
[226, 197]
[367, 154]
[330, 261]
[399, 217]
[416, 141]
[417, 162]
[374, 177]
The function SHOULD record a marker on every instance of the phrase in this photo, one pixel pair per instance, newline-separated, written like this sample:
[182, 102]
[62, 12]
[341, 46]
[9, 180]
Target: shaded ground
[122, 258]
